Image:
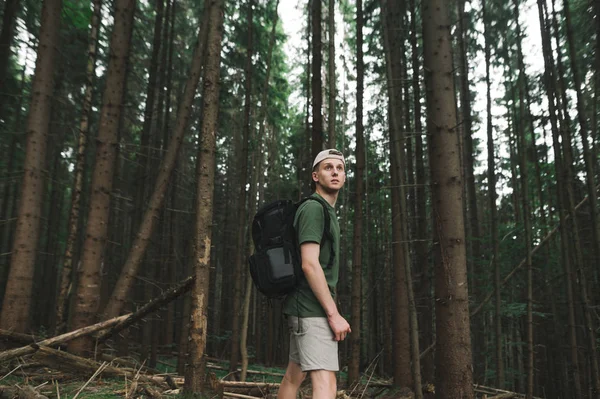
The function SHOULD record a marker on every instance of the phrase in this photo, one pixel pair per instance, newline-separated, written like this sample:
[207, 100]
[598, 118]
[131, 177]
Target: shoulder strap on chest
[327, 235]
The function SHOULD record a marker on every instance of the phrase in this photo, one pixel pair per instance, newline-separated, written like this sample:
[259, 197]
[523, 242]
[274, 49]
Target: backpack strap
[326, 228]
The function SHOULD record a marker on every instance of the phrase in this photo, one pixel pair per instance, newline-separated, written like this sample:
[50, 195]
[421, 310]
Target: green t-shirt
[310, 223]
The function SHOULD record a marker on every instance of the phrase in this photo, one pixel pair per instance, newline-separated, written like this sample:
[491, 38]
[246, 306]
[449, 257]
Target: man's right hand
[339, 326]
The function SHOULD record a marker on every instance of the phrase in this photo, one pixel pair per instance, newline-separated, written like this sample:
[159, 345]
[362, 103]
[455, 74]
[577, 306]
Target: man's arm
[316, 280]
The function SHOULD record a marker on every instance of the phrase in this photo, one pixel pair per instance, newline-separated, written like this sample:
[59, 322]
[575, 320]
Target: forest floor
[48, 375]
[29, 378]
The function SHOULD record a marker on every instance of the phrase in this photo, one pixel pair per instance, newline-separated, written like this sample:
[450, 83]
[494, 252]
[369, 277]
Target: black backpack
[275, 266]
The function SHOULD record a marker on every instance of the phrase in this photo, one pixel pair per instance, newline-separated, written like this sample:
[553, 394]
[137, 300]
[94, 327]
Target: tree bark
[593, 206]
[10, 199]
[18, 292]
[194, 373]
[467, 123]
[331, 69]
[525, 201]
[584, 128]
[454, 377]
[151, 215]
[143, 163]
[421, 247]
[66, 273]
[355, 337]
[492, 196]
[88, 288]
[400, 315]
[317, 88]
[550, 87]
[242, 197]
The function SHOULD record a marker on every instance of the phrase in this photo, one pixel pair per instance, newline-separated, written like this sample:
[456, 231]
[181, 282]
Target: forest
[139, 138]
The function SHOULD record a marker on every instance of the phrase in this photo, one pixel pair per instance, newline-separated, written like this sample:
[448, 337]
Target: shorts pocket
[298, 326]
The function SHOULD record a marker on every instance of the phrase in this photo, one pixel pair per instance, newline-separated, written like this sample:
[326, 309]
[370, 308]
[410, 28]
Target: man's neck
[331, 198]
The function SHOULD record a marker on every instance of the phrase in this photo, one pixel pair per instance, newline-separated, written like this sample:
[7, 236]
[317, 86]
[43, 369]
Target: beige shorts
[312, 345]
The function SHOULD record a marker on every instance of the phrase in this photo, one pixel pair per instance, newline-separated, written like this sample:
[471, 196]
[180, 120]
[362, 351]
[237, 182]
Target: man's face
[330, 175]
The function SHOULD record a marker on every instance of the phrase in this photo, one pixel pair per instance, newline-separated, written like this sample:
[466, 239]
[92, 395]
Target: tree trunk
[421, 247]
[550, 86]
[401, 319]
[317, 88]
[69, 256]
[525, 200]
[257, 163]
[332, 80]
[454, 377]
[591, 187]
[469, 161]
[587, 153]
[194, 373]
[492, 196]
[355, 337]
[9, 199]
[18, 292]
[143, 162]
[242, 197]
[88, 288]
[305, 150]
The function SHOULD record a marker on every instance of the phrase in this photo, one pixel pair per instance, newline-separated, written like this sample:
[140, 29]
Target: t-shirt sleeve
[310, 222]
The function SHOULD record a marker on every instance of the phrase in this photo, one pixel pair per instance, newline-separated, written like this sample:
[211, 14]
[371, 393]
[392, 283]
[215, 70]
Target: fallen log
[498, 393]
[11, 336]
[150, 307]
[239, 395]
[247, 384]
[66, 362]
[60, 339]
[217, 367]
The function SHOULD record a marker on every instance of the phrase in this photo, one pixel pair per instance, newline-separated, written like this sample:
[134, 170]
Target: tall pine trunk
[331, 72]
[88, 286]
[70, 247]
[454, 378]
[400, 258]
[242, 197]
[194, 373]
[9, 198]
[18, 293]
[520, 126]
[355, 337]
[421, 248]
[492, 197]
[317, 88]
[550, 87]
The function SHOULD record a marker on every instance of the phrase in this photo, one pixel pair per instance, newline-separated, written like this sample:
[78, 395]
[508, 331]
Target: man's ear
[315, 177]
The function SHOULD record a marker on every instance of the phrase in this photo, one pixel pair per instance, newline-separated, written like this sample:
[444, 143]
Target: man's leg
[324, 384]
[291, 381]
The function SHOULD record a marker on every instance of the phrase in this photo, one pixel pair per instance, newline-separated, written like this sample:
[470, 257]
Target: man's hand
[339, 326]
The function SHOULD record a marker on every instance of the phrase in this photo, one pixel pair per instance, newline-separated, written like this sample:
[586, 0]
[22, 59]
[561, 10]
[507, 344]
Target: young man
[315, 324]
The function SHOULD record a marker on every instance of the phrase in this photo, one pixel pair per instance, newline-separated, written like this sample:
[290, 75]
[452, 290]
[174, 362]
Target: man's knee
[324, 382]
[294, 374]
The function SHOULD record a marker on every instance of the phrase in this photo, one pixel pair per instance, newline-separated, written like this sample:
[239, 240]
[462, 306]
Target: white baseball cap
[330, 153]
